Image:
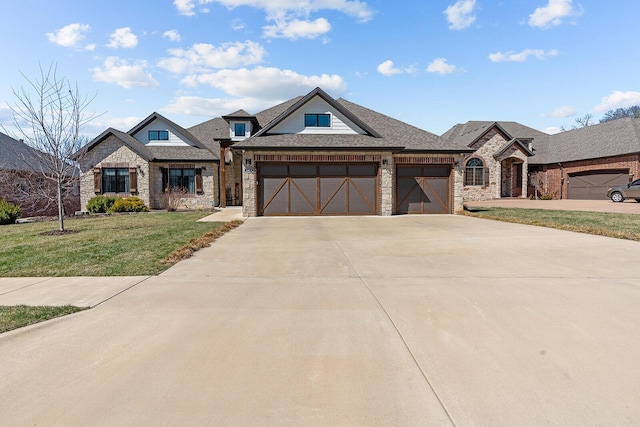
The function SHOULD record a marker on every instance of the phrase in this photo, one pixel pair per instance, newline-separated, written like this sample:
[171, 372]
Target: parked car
[621, 192]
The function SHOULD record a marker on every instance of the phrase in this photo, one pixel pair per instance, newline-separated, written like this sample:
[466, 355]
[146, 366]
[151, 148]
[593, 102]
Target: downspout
[561, 179]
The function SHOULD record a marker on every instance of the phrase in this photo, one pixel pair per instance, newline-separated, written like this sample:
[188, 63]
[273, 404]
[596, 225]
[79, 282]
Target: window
[317, 120]
[158, 135]
[474, 173]
[115, 180]
[183, 178]
[239, 129]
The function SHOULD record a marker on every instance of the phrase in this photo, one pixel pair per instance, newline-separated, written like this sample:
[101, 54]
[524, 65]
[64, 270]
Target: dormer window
[317, 120]
[158, 135]
[239, 129]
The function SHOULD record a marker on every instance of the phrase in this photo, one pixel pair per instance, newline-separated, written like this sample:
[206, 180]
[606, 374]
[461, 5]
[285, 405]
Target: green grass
[18, 316]
[117, 245]
[622, 226]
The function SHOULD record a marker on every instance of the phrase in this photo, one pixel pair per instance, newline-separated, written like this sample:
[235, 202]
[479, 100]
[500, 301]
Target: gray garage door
[318, 189]
[593, 185]
[423, 189]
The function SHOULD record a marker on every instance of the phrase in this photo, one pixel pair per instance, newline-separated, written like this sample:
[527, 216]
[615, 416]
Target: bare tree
[49, 115]
[584, 121]
[618, 113]
[539, 181]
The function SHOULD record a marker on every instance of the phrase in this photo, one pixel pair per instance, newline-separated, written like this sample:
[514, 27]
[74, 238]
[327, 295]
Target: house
[577, 164]
[23, 181]
[153, 160]
[311, 155]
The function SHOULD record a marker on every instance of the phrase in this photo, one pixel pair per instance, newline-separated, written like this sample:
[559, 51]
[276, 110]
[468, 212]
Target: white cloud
[120, 123]
[553, 13]
[237, 24]
[618, 99]
[439, 65]
[203, 57]
[522, 56]
[213, 107]
[297, 29]
[289, 18]
[267, 83]
[123, 37]
[69, 35]
[561, 112]
[172, 35]
[387, 69]
[551, 130]
[460, 14]
[118, 71]
[90, 47]
[356, 8]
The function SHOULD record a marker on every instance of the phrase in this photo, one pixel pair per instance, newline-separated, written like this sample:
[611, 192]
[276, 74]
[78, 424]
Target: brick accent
[557, 176]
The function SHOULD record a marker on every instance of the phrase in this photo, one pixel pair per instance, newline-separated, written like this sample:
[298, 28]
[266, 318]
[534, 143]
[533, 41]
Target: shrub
[172, 198]
[8, 212]
[130, 204]
[101, 204]
[546, 197]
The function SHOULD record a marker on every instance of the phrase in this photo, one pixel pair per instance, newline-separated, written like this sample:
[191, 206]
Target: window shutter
[97, 180]
[199, 189]
[133, 181]
[165, 179]
[486, 176]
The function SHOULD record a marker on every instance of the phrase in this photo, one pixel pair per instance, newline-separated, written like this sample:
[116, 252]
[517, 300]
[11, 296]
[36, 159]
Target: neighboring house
[577, 164]
[155, 160]
[23, 181]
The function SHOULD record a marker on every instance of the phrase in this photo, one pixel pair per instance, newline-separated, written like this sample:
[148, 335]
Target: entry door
[423, 190]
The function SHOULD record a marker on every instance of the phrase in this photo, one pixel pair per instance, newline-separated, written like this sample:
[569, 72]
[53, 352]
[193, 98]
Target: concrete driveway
[414, 320]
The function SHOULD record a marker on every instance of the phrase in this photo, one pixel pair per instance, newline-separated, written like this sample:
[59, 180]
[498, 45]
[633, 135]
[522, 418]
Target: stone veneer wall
[114, 153]
[210, 177]
[485, 148]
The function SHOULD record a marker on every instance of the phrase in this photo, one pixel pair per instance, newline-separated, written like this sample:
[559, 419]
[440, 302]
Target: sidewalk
[57, 291]
[227, 214]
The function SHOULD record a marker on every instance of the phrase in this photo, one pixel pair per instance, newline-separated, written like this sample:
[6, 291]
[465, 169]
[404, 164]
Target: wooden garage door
[318, 189]
[593, 185]
[423, 189]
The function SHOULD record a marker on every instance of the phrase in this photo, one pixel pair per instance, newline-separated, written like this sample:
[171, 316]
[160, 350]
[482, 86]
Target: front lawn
[116, 245]
[13, 317]
[622, 226]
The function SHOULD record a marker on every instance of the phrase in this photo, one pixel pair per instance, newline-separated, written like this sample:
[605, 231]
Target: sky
[430, 63]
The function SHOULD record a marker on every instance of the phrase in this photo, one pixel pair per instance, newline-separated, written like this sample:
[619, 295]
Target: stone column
[249, 185]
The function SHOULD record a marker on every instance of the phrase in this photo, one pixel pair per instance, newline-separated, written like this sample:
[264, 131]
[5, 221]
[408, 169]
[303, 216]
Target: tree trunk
[60, 207]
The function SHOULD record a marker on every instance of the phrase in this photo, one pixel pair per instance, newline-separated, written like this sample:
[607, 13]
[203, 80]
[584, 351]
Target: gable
[153, 133]
[295, 122]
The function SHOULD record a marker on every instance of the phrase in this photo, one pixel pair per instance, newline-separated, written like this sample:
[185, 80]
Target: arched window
[474, 173]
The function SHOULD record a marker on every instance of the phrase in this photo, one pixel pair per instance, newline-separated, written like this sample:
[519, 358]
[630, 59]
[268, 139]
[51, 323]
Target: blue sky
[430, 63]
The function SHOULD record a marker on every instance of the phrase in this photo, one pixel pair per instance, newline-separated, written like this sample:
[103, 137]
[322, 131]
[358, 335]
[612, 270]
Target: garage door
[318, 189]
[423, 189]
[593, 185]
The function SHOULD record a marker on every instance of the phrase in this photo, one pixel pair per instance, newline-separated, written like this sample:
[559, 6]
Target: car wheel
[638, 200]
[617, 197]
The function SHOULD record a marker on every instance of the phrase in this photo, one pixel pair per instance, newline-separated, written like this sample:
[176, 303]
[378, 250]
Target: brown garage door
[593, 185]
[423, 189]
[318, 189]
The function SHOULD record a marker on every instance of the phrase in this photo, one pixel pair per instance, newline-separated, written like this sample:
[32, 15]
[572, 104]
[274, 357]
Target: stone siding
[112, 152]
[485, 149]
